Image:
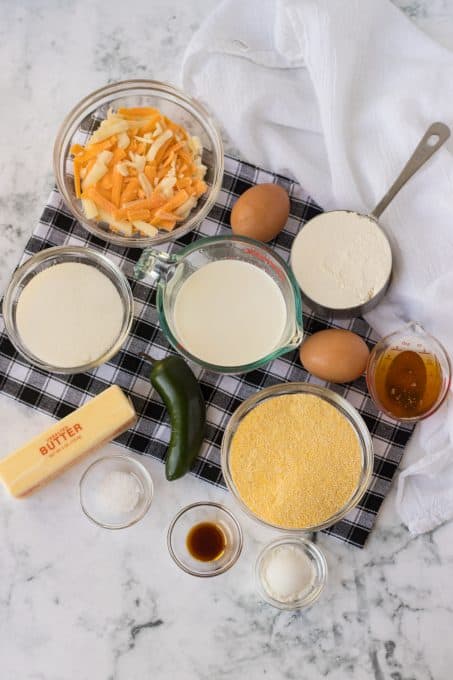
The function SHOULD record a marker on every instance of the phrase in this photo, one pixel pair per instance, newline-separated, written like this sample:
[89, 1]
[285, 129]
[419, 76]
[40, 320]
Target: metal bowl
[357, 310]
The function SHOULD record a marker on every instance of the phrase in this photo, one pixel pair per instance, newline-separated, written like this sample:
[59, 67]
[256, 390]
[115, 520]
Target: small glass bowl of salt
[116, 491]
[291, 573]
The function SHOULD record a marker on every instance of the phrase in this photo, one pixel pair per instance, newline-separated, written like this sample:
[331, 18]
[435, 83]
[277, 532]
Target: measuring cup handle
[155, 264]
[436, 135]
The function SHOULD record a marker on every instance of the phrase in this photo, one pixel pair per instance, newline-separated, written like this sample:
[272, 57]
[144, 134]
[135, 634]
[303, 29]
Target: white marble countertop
[81, 603]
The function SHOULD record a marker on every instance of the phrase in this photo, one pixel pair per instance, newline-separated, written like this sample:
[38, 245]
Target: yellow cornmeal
[295, 460]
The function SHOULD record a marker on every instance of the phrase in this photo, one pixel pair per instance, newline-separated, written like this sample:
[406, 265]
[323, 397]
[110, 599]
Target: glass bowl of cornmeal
[297, 457]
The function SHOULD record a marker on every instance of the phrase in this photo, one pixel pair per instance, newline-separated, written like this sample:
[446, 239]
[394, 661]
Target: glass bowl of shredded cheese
[139, 163]
[297, 457]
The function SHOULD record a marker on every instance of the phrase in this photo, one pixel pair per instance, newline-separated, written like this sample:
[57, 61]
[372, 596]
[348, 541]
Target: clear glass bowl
[412, 337]
[343, 406]
[91, 495]
[81, 122]
[197, 513]
[48, 258]
[172, 270]
[319, 572]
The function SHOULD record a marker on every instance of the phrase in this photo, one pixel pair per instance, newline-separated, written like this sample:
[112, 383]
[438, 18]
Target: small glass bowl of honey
[204, 539]
[408, 374]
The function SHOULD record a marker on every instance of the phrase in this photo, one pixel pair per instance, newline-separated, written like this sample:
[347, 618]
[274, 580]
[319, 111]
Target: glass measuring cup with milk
[228, 303]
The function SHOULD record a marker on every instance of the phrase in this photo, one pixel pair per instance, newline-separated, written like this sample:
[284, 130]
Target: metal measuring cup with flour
[342, 259]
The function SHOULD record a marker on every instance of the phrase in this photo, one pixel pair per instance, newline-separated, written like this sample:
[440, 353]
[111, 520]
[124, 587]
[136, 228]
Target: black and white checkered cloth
[58, 395]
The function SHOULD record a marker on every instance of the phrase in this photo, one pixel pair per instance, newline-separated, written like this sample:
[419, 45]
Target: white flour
[341, 259]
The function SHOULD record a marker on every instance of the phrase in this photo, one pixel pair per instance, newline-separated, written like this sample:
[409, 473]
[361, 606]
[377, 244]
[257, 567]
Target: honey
[407, 383]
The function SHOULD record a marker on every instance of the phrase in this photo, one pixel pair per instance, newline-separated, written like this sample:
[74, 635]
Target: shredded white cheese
[166, 185]
[120, 225]
[158, 131]
[194, 145]
[145, 184]
[89, 208]
[123, 140]
[96, 173]
[158, 144]
[145, 228]
[186, 207]
[122, 169]
[108, 128]
[147, 138]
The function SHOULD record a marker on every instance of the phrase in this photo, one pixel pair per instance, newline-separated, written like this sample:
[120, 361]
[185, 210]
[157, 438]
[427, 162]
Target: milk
[229, 313]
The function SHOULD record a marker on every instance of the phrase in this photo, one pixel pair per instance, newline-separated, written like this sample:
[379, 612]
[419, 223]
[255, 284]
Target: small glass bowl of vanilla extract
[204, 539]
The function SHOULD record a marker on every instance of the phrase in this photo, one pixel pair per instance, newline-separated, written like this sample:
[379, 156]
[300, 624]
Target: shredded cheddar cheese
[295, 460]
[139, 172]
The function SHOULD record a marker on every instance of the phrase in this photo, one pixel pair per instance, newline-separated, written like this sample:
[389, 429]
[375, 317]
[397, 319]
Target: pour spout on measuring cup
[415, 327]
[155, 264]
[435, 136]
[297, 339]
[411, 332]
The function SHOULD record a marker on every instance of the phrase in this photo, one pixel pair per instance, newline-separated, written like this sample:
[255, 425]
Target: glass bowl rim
[134, 464]
[235, 555]
[155, 87]
[337, 401]
[96, 258]
[322, 572]
[243, 368]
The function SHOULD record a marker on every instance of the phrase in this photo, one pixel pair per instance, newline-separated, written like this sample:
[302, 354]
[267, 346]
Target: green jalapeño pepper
[181, 394]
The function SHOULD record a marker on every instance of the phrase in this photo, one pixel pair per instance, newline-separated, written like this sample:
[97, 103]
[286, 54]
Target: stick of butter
[45, 456]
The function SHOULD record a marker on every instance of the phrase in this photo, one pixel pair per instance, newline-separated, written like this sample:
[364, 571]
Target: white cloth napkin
[338, 93]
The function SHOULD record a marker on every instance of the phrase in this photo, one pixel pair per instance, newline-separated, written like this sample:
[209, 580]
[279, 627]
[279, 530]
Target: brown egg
[261, 212]
[335, 355]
